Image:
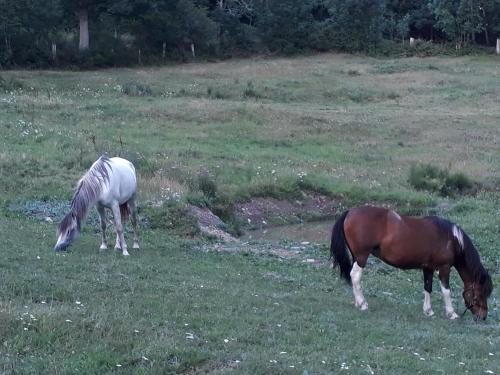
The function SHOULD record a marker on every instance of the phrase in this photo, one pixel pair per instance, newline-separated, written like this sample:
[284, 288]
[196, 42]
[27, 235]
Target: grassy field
[347, 127]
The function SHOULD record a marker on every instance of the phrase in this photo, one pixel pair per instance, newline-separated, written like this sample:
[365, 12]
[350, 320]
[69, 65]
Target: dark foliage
[129, 32]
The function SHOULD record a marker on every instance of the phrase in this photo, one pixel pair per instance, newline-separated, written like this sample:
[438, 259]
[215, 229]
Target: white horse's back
[122, 183]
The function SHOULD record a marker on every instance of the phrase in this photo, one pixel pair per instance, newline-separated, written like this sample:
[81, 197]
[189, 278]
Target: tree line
[123, 32]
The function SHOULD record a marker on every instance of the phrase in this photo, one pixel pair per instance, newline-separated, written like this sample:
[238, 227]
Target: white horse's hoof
[103, 247]
[125, 253]
[117, 248]
[136, 246]
[453, 315]
[429, 312]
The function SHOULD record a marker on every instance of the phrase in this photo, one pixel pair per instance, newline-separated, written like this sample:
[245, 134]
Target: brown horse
[428, 243]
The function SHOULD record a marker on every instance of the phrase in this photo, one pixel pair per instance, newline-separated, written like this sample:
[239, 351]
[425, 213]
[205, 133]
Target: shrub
[435, 179]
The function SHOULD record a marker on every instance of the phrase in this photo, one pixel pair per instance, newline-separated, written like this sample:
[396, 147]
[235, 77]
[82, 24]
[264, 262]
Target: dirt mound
[210, 224]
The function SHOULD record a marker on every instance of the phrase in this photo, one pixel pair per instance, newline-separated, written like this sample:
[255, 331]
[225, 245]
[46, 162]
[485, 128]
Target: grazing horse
[428, 243]
[109, 183]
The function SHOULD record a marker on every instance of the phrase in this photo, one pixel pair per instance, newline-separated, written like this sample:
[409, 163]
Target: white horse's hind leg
[102, 216]
[117, 242]
[356, 273]
[119, 228]
[133, 212]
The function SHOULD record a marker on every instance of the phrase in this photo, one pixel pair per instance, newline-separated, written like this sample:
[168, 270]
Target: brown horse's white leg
[428, 273]
[444, 278]
[133, 210]
[102, 217]
[120, 240]
[356, 273]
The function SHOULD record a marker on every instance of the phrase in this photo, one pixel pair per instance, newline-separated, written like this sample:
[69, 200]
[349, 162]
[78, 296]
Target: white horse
[111, 183]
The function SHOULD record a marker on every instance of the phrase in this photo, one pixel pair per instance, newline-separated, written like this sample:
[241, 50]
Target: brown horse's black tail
[338, 249]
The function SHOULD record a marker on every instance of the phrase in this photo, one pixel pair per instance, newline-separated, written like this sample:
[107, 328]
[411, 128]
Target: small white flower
[145, 358]
[226, 340]
[118, 365]
[69, 321]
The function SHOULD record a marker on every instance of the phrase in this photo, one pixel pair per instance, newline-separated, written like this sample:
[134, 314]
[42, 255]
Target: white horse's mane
[90, 187]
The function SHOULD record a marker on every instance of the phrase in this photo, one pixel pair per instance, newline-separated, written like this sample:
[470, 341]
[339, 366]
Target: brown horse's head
[476, 296]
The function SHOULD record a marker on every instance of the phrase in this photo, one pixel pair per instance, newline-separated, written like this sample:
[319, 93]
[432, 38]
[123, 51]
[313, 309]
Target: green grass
[217, 134]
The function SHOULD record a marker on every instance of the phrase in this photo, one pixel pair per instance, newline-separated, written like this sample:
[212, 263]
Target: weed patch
[10, 84]
[172, 217]
[136, 89]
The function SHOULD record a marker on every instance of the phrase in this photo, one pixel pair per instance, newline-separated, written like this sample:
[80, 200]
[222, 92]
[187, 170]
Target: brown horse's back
[401, 241]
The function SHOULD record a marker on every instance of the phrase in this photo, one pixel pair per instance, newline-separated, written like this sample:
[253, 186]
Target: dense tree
[114, 32]
[460, 20]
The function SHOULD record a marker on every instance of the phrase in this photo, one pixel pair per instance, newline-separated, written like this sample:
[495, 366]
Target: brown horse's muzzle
[479, 313]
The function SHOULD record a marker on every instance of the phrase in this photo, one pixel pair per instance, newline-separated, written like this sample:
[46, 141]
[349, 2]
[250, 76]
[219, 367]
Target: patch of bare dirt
[264, 212]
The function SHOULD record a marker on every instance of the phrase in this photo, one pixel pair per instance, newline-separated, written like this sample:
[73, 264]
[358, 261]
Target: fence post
[54, 51]
[498, 46]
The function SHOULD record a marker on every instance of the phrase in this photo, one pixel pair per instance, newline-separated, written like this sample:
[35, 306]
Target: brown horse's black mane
[468, 256]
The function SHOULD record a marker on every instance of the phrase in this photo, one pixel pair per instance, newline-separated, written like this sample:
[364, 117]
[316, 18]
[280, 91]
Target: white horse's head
[67, 232]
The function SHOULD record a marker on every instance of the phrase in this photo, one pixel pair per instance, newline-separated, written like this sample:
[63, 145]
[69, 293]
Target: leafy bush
[435, 179]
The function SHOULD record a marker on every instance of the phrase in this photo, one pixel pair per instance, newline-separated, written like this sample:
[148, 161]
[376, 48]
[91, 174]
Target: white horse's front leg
[120, 239]
[102, 216]
[356, 273]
